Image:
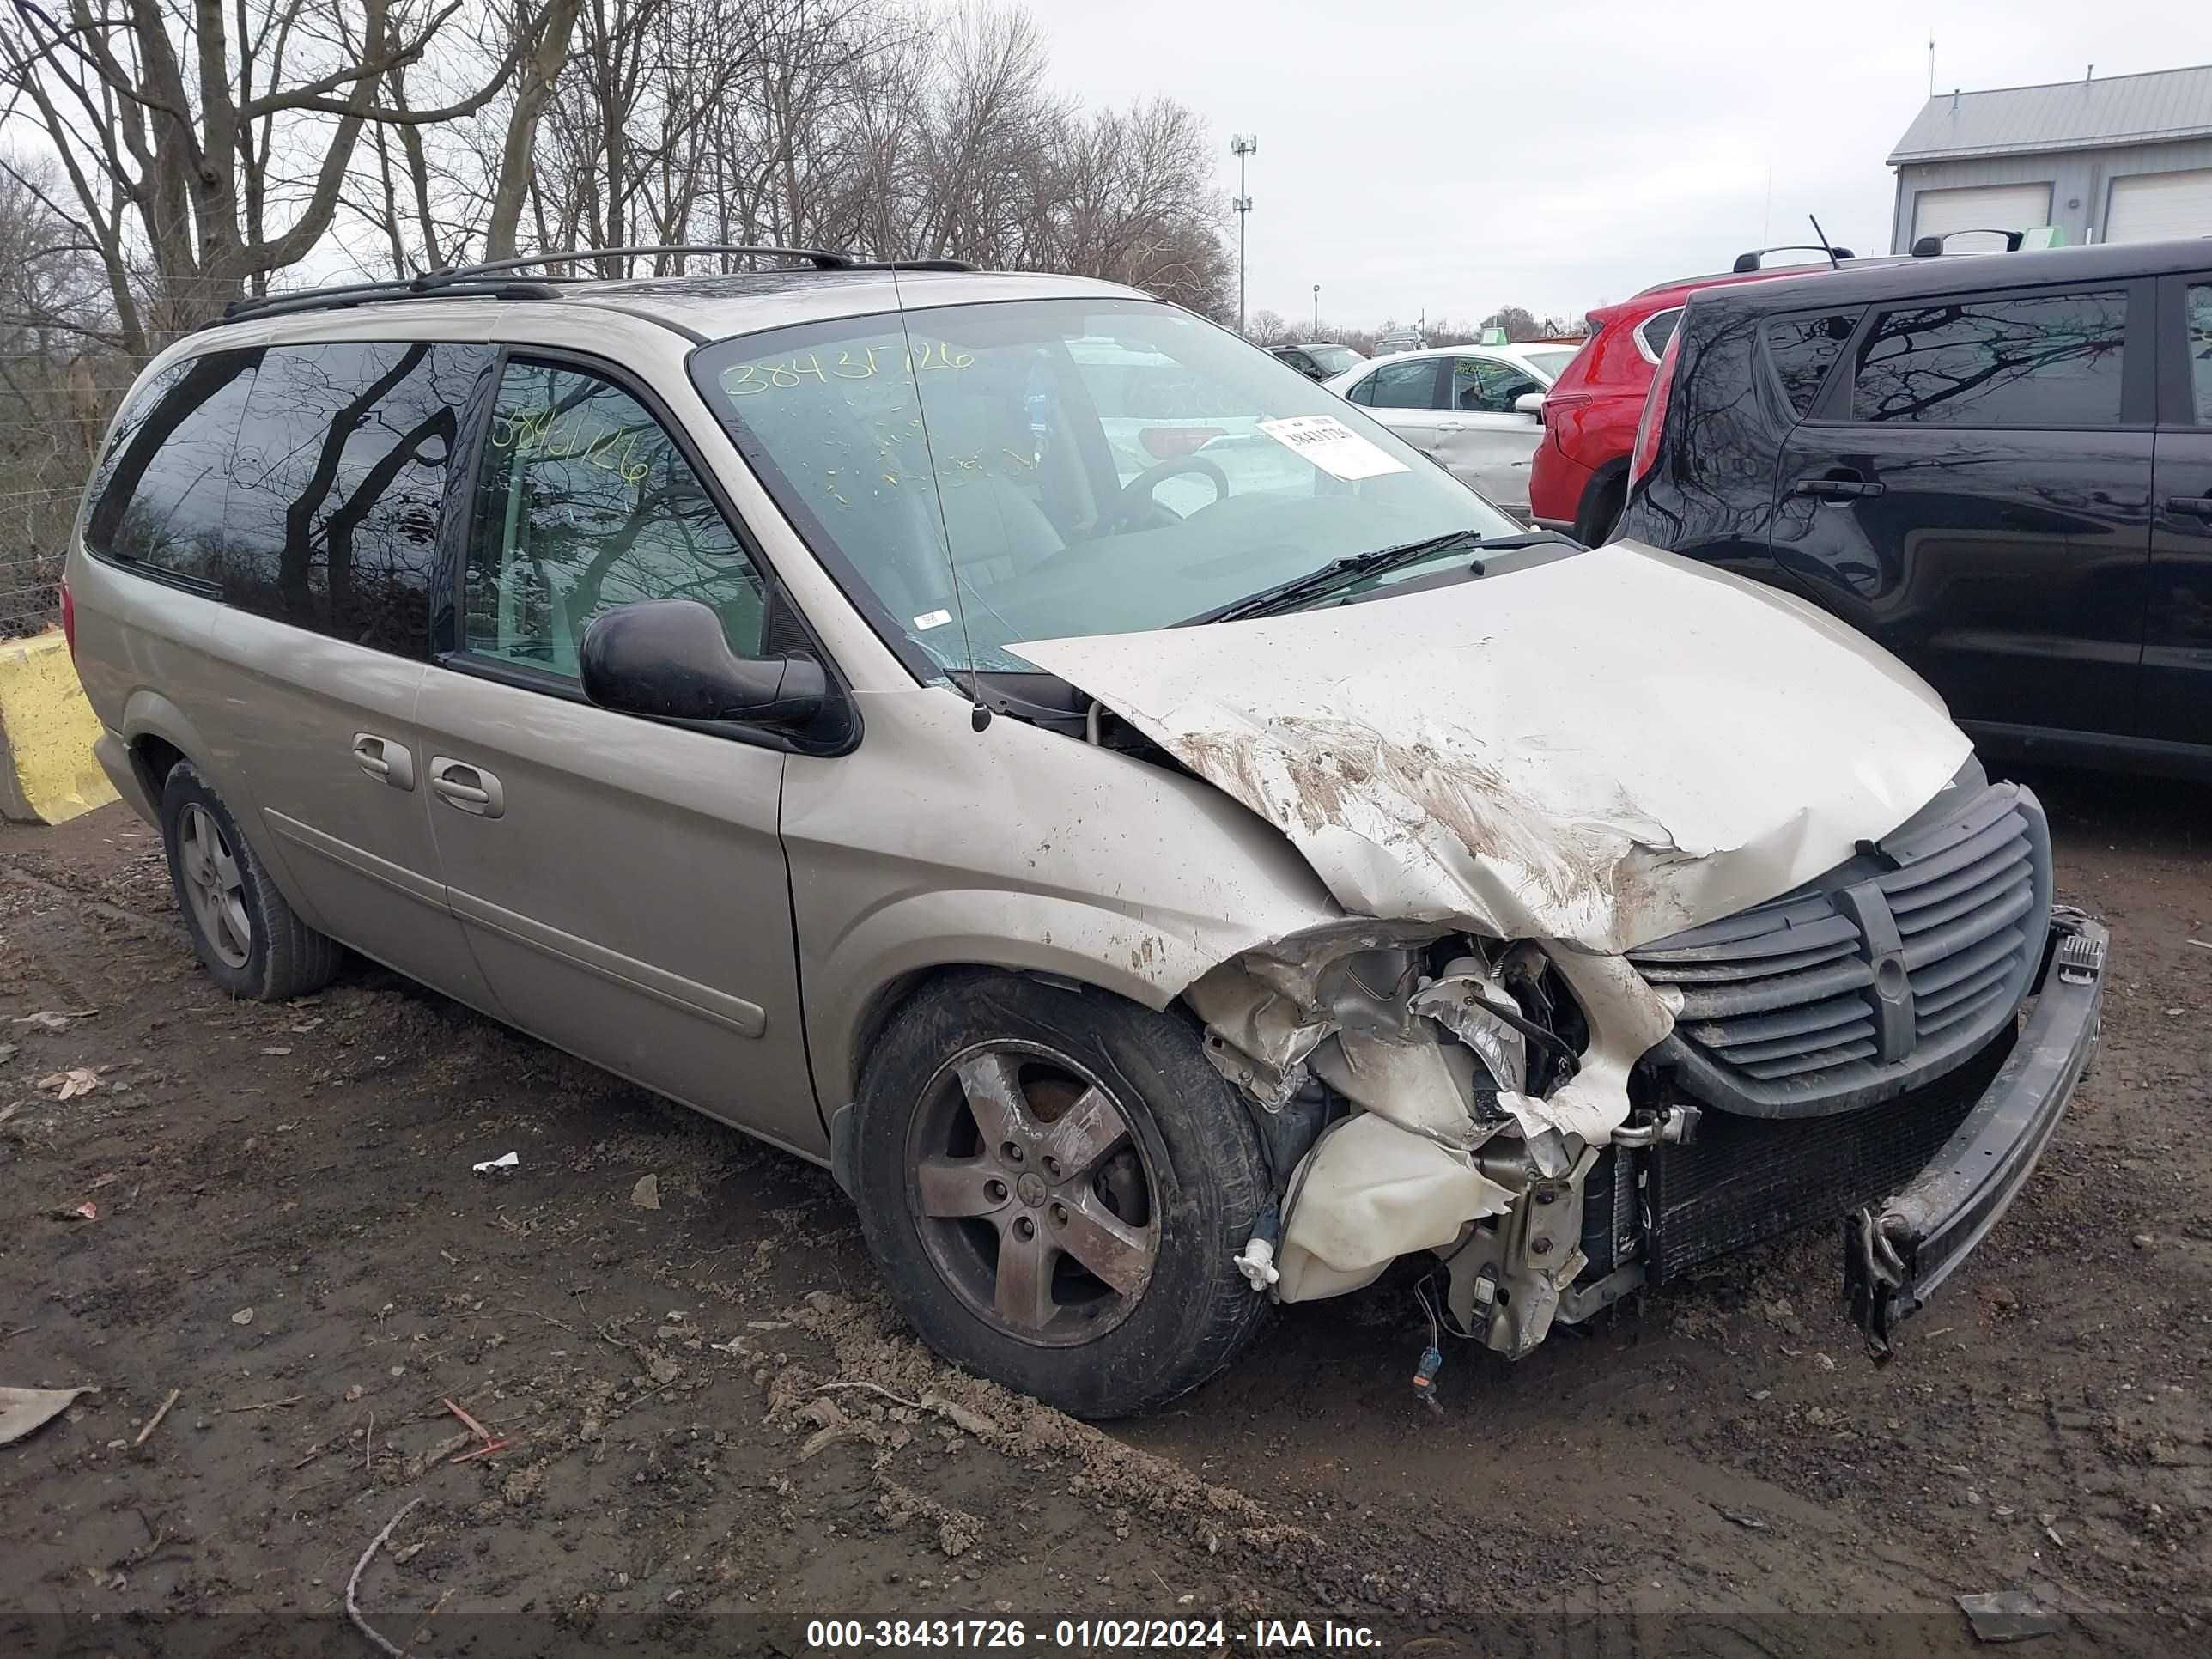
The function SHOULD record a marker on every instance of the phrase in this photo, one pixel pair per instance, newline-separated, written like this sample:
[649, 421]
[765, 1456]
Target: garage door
[1979, 207]
[2149, 206]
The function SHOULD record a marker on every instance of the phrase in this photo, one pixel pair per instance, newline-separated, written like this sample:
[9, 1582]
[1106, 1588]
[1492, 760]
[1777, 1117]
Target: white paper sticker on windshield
[1333, 446]
[929, 619]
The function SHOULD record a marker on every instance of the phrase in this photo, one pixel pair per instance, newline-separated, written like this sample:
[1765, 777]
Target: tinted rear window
[2198, 340]
[338, 485]
[162, 492]
[1804, 348]
[1658, 328]
[2034, 360]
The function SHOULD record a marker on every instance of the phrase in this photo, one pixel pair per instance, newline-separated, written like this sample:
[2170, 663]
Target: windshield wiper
[1337, 572]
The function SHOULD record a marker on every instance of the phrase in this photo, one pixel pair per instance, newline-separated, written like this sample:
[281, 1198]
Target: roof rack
[1931, 247]
[1755, 260]
[484, 281]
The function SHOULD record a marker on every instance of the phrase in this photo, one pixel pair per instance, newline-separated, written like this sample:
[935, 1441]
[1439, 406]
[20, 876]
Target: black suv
[1999, 468]
[1318, 359]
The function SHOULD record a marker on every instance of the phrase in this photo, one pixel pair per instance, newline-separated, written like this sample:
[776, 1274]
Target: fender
[1149, 960]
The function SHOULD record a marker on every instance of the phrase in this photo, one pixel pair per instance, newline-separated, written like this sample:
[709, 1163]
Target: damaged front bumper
[1897, 1252]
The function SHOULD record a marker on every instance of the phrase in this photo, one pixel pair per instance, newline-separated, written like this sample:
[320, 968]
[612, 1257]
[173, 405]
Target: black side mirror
[667, 659]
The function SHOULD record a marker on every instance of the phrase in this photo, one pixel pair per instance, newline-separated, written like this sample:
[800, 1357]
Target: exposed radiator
[1747, 1179]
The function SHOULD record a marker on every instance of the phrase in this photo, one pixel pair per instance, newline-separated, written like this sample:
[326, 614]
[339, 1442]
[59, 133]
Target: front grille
[1877, 977]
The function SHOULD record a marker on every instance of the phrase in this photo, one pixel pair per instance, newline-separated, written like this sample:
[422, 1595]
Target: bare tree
[206, 150]
[54, 394]
[543, 58]
[178, 124]
[1518, 323]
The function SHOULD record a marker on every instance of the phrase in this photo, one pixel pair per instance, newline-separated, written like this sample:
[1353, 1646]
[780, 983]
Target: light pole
[1316, 329]
[1242, 144]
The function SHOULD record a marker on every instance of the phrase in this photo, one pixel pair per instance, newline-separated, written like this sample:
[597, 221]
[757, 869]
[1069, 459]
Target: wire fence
[52, 412]
[34, 534]
[28, 599]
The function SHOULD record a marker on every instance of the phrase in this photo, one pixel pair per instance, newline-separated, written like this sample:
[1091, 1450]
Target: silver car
[1170, 850]
[1476, 410]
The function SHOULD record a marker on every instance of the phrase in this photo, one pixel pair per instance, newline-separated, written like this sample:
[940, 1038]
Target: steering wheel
[1136, 495]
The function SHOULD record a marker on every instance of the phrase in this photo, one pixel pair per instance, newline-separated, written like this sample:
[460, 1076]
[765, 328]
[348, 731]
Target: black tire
[280, 956]
[1204, 1172]
[1601, 510]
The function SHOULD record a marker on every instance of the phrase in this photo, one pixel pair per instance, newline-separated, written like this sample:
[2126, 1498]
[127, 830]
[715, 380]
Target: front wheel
[1054, 1183]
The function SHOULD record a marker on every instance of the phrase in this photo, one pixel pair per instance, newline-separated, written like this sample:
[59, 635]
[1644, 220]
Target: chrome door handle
[384, 760]
[469, 788]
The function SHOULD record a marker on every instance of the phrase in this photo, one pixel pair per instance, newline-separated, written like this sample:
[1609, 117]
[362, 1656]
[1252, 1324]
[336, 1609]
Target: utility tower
[1242, 144]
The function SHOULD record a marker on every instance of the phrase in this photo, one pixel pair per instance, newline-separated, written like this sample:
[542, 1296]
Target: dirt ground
[714, 1429]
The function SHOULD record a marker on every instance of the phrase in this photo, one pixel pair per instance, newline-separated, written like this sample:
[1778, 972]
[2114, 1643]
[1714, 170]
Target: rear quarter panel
[142, 653]
[1710, 494]
[1591, 416]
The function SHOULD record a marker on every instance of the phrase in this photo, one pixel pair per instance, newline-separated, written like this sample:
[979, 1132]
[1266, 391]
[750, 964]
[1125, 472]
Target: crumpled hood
[1604, 750]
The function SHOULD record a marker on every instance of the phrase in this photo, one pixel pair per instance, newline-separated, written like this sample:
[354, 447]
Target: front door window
[585, 502]
[1485, 386]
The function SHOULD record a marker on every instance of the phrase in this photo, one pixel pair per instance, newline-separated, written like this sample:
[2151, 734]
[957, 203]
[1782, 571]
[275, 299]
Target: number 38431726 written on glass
[861, 363]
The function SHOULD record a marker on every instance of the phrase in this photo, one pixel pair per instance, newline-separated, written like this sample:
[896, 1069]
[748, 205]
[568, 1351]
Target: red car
[1579, 481]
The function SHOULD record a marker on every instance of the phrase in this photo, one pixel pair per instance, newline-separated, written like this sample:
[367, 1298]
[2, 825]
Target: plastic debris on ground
[505, 1161]
[2007, 1616]
[22, 1410]
[53, 1020]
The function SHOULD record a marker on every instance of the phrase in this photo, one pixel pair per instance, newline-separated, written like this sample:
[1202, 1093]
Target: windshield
[1100, 466]
[1552, 361]
[1334, 359]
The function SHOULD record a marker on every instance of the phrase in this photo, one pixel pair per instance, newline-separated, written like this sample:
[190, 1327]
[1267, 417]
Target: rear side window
[1657, 328]
[161, 493]
[2198, 338]
[1400, 386]
[339, 481]
[1803, 349]
[585, 502]
[2034, 360]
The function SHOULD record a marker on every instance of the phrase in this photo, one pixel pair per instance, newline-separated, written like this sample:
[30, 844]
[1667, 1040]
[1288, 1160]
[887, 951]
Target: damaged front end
[1446, 1093]
[1679, 916]
[1561, 1127]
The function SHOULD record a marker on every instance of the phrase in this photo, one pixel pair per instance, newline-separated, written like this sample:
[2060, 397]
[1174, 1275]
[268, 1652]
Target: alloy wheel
[1032, 1193]
[212, 886]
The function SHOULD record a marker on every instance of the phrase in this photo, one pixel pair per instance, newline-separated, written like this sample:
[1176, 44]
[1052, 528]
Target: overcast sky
[1459, 156]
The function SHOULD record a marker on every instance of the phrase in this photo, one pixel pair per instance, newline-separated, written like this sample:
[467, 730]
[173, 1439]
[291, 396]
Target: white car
[1472, 409]
[1155, 415]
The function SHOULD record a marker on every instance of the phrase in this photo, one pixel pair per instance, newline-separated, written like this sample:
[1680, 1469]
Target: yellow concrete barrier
[47, 774]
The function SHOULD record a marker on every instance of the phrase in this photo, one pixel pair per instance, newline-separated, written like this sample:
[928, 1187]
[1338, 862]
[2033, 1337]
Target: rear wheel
[1601, 509]
[244, 933]
[1054, 1182]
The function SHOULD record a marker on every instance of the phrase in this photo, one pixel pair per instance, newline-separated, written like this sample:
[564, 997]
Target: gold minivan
[1168, 846]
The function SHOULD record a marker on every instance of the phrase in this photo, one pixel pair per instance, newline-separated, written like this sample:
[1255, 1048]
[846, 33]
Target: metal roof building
[2127, 159]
